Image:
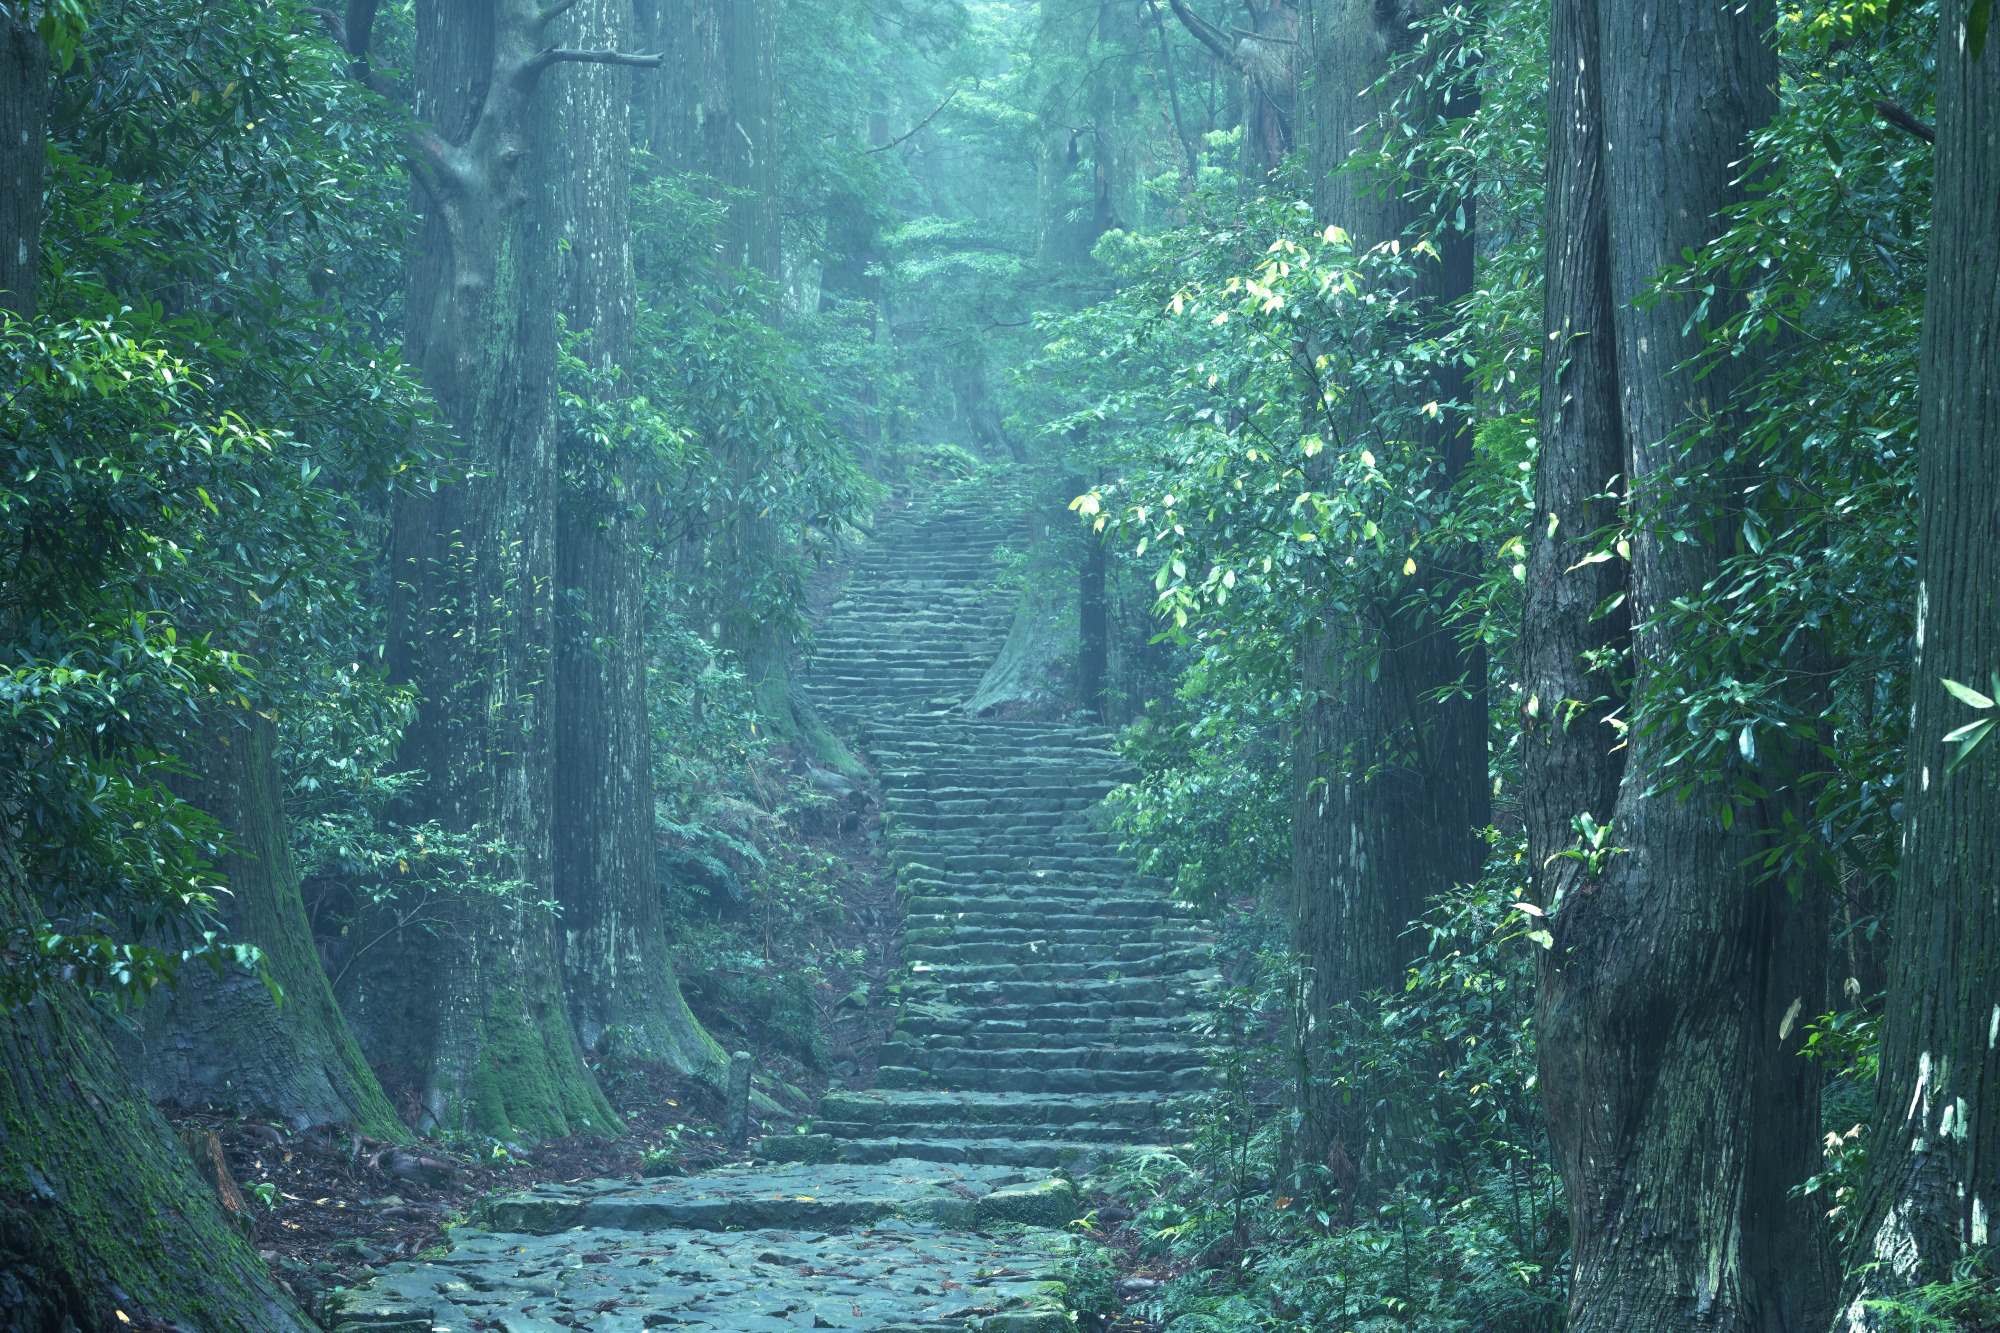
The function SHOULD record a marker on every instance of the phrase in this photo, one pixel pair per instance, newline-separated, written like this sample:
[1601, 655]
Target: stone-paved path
[1050, 983]
[1039, 1028]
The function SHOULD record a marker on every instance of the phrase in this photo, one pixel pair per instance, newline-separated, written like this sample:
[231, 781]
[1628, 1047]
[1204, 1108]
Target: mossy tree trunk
[101, 1210]
[224, 1041]
[623, 994]
[472, 1011]
[1934, 1149]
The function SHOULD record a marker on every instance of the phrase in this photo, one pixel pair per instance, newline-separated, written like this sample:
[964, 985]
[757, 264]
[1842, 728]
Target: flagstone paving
[1041, 1026]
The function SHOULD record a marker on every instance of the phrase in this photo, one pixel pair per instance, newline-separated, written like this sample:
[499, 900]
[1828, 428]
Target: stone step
[1044, 1080]
[770, 1246]
[941, 1058]
[999, 1109]
[1155, 1031]
[963, 960]
[1049, 979]
[1174, 992]
[1074, 1155]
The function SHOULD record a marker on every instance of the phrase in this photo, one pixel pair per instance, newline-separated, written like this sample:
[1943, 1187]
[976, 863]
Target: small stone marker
[737, 1115]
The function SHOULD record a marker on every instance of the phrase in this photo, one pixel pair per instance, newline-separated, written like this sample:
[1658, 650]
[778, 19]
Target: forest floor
[335, 1206]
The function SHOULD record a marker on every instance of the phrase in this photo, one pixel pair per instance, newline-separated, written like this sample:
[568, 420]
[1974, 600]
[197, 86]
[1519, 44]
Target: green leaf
[1975, 26]
[1970, 746]
[1966, 694]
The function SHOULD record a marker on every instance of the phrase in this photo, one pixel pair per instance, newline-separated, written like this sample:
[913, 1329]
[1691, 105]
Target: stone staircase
[1040, 1026]
[919, 620]
[1049, 982]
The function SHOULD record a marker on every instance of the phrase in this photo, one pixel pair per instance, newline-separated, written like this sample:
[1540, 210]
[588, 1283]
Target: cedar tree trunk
[101, 1210]
[1573, 760]
[1934, 1150]
[24, 104]
[1390, 764]
[473, 1014]
[622, 990]
[1671, 1004]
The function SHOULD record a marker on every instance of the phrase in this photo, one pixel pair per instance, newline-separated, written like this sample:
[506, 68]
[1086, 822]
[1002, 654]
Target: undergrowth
[1449, 1217]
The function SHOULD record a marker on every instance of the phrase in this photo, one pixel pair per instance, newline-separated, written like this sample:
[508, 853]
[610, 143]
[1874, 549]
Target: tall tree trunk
[1573, 761]
[620, 976]
[24, 105]
[734, 50]
[1671, 1002]
[223, 1040]
[1390, 766]
[1094, 632]
[1935, 1146]
[1065, 230]
[475, 1015]
[741, 121]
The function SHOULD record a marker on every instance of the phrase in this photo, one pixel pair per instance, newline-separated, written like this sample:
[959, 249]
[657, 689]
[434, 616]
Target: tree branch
[883, 148]
[1904, 121]
[336, 26]
[1206, 33]
[360, 27]
[556, 55]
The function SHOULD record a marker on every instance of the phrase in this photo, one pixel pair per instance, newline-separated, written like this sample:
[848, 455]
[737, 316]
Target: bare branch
[883, 148]
[1904, 121]
[1263, 36]
[557, 55]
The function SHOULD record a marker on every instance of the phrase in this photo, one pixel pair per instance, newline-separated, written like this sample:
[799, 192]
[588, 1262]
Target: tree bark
[24, 106]
[474, 1016]
[1671, 1005]
[1573, 760]
[623, 994]
[1094, 632]
[223, 1041]
[1934, 1149]
[1390, 764]
[100, 1208]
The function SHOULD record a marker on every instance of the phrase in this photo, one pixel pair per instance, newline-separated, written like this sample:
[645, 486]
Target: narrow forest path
[1049, 982]
[1039, 1027]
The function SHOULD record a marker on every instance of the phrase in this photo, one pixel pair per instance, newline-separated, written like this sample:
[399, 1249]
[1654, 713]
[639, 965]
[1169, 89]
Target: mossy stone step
[1069, 1153]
